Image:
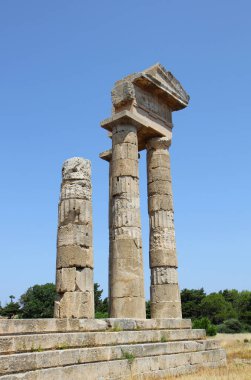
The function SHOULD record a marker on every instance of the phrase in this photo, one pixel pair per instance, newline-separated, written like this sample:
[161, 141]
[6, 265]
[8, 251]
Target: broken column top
[76, 168]
[147, 100]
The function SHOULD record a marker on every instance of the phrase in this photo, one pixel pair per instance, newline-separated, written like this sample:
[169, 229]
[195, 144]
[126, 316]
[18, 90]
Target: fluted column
[74, 275]
[127, 298]
[165, 294]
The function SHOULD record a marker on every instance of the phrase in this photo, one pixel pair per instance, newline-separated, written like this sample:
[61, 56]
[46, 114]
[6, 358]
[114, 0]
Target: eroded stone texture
[165, 294]
[74, 277]
[126, 279]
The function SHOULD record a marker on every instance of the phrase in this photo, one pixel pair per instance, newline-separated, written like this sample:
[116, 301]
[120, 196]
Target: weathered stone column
[74, 278]
[126, 287]
[165, 294]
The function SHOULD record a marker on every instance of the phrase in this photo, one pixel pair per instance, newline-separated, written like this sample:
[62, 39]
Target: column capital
[106, 155]
[158, 143]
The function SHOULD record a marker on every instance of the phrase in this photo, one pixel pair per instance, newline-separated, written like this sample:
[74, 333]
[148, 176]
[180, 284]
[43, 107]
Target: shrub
[230, 326]
[204, 323]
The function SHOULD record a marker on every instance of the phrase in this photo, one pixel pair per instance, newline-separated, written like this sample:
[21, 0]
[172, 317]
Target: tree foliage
[223, 308]
[38, 301]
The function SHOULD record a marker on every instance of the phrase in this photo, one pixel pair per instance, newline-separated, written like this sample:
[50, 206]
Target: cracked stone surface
[126, 278]
[74, 275]
[165, 294]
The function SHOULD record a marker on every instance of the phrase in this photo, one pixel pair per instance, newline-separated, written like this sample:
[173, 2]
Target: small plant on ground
[129, 356]
[116, 328]
[63, 346]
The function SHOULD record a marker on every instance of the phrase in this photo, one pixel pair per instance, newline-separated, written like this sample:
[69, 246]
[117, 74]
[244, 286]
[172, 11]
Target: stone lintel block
[75, 234]
[125, 185]
[163, 257]
[76, 189]
[160, 202]
[75, 305]
[124, 133]
[125, 167]
[76, 168]
[84, 280]
[74, 256]
[128, 307]
[158, 174]
[152, 89]
[166, 309]
[77, 211]
[161, 219]
[162, 186]
[66, 280]
[164, 275]
[125, 151]
[165, 293]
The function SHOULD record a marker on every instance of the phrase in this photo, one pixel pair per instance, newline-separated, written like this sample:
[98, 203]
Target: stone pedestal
[74, 276]
[165, 294]
[126, 277]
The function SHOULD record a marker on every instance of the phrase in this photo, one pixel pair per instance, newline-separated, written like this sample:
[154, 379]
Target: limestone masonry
[142, 119]
[74, 275]
[126, 346]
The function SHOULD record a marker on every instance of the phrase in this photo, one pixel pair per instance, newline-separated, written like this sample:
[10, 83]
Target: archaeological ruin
[74, 345]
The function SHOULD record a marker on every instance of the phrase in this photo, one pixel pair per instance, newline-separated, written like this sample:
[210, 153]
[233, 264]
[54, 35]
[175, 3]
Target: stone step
[36, 342]
[48, 359]
[30, 326]
[143, 368]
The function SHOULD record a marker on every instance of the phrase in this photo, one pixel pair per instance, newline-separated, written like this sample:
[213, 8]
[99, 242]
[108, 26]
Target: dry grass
[238, 360]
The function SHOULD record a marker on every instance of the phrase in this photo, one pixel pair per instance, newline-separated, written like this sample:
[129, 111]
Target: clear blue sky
[58, 62]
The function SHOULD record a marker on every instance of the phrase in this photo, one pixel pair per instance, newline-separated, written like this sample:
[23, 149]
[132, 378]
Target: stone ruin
[74, 345]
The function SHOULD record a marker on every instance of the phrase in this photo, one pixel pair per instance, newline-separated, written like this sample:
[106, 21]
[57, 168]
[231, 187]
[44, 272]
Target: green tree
[11, 309]
[191, 302]
[38, 301]
[97, 297]
[243, 307]
[12, 298]
[216, 308]
[101, 306]
[148, 310]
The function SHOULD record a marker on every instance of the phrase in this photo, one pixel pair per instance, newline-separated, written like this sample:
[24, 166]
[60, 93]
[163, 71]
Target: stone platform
[107, 349]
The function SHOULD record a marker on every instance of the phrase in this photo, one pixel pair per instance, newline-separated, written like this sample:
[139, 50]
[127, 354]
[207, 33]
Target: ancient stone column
[127, 298]
[74, 276]
[145, 100]
[165, 294]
